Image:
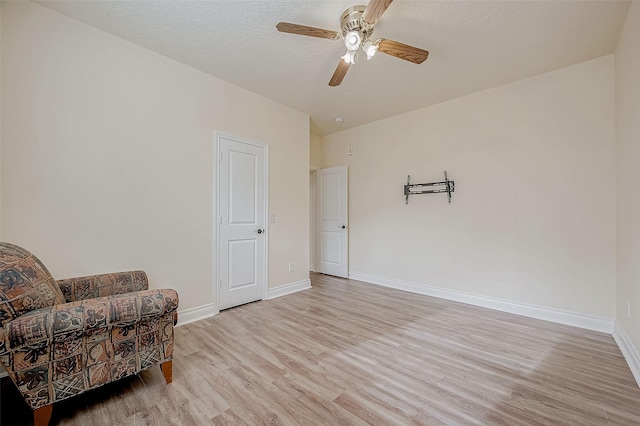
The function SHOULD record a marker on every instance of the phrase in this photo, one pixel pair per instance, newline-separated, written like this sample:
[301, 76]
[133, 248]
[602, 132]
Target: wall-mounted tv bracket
[447, 186]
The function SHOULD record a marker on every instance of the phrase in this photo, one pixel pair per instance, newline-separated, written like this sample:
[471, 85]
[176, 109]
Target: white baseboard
[196, 314]
[628, 350]
[206, 311]
[562, 317]
[283, 290]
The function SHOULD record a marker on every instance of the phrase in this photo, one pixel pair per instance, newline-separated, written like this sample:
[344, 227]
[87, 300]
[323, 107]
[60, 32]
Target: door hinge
[220, 157]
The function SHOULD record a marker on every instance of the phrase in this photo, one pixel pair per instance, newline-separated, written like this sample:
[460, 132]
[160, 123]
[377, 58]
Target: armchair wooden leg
[167, 370]
[42, 415]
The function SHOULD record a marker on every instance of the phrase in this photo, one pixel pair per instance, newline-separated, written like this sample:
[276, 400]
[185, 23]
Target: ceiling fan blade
[403, 51]
[339, 73]
[286, 27]
[374, 10]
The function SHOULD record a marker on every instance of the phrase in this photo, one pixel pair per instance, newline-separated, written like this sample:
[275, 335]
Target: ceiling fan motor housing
[351, 20]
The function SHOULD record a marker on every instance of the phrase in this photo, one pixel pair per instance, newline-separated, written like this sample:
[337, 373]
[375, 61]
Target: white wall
[628, 178]
[315, 152]
[108, 157]
[532, 218]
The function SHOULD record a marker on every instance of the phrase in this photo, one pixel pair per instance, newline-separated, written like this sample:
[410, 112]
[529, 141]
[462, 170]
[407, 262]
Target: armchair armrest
[93, 286]
[72, 320]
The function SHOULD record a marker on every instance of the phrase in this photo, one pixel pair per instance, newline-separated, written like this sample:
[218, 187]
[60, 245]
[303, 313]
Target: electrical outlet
[290, 266]
[273, 218]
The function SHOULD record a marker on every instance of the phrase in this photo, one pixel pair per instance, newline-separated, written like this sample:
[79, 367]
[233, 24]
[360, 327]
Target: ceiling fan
[357, 24]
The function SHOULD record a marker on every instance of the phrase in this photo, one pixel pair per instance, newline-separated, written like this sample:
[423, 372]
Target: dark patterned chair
[61, 338]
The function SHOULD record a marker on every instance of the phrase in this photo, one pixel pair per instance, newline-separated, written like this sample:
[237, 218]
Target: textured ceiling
[474, 45]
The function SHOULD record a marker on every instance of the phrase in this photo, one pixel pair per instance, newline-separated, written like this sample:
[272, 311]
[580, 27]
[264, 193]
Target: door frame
[216, 219]
[313, 220]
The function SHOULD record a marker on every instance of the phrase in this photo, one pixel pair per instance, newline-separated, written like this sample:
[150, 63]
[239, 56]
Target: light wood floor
[349, 353]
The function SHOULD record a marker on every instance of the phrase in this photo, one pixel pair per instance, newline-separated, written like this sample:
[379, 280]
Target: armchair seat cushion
[25, 284]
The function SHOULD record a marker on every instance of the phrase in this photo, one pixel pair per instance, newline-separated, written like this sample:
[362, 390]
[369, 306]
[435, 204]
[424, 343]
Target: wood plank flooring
[350, 353]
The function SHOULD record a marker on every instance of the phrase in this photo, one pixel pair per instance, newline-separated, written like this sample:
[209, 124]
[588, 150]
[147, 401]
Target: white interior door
[242, 240]
[332, 219]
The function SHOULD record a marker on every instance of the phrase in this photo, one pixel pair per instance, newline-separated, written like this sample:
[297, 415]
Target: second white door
[332, 221]
[242, 239]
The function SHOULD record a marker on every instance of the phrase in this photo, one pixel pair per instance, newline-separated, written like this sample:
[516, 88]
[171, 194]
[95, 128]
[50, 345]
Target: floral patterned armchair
[61, 338]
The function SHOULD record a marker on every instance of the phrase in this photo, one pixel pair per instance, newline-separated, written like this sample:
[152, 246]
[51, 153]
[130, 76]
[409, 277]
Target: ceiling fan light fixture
[352, 40]
[370, 48]
[350, 57]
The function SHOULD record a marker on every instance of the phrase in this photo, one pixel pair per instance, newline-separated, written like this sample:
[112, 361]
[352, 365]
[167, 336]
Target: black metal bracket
[447, 186]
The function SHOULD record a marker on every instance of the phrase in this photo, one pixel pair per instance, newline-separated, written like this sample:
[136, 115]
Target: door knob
[343, 227]
[259, 231]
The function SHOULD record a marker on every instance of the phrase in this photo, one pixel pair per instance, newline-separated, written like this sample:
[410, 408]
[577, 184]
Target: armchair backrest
[25, 284]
